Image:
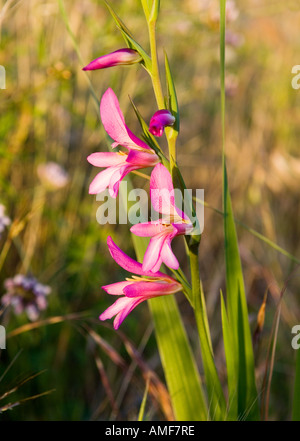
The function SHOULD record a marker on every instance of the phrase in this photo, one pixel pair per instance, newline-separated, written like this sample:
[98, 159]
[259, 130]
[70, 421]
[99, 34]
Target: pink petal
[168, 257]
[116, 289]
[183, 228]
[148, 229]
[127, 262]
[142, 159]
[110, 178]
[106, 159]
[152, 258]
[117, 177]
[101, 180]
[162, 190]
[114, 122]
[159, 121]
[151, 289]
[121, 308]
[132, 303]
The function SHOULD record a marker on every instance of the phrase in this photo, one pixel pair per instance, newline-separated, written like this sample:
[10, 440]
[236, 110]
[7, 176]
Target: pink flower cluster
[147, 281]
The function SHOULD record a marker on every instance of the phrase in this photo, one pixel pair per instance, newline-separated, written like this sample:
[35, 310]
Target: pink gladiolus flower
[136, 289]
[118, 164]
[159, 121]
[162, 231]
[117, 58]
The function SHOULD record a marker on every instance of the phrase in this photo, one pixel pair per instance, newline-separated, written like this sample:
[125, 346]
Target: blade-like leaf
[296, 401]
[154, 10]
[146, 7]
[245, 390]
[230, 362]
[172, 96]
[217, 404]
[143, 404]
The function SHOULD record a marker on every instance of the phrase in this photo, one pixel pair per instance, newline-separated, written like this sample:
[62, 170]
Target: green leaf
[155, 10]
[143, 405]
[244, 391]
[146, 7]
[172, 102]
[296, 401]
[129, 39]
[230, 362]
[216, 399]
[238, 313]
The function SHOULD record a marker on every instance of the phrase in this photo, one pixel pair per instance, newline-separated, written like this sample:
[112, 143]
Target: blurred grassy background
[48, 114]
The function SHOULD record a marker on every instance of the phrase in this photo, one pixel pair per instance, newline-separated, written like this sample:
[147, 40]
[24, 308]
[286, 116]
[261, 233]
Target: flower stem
[156, 83]
[155, 68]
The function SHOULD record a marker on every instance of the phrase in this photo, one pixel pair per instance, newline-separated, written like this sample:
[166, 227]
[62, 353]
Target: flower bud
[119, 57]
[159, 121]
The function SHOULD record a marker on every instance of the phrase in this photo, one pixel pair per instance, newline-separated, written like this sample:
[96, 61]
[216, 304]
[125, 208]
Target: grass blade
[230, 361]
[242, 372]
[143, 404]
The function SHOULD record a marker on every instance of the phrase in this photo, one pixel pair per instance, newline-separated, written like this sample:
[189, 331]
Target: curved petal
[106, 159]
[120, 308]
[114, 123]
[117, 177]
[152, 258]
[127, 262]
[101, 180]
[167, 255]
[132, 303]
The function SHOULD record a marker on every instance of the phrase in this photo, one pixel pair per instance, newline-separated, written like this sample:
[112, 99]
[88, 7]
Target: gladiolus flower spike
[118, 164]
[142, 286]
[162, 231]
[117, 58]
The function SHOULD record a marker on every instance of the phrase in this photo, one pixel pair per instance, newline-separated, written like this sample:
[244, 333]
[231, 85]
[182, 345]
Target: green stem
[155, 68]
[172, 149]
[156, 83]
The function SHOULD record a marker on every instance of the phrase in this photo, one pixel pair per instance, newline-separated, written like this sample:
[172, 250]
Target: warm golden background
[48, 114]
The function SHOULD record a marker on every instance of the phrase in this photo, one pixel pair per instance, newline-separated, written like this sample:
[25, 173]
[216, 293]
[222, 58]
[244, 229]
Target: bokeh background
[48, 114]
